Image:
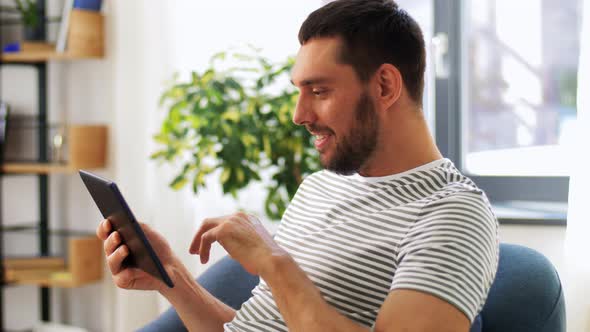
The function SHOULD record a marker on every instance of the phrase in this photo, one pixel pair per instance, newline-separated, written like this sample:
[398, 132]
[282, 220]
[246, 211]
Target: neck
[404, 143]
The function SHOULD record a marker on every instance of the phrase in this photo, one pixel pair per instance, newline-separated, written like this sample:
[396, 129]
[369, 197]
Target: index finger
[207, 224]
[104, 229]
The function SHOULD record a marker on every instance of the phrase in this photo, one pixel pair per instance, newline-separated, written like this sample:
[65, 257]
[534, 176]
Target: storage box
[85, 34]
[87, 146]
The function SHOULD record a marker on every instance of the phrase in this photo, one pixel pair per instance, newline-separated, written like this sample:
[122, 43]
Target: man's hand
[198, 309]
[116, 252]
[243, 237]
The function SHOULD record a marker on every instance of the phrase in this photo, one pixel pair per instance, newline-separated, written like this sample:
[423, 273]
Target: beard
[355, 148]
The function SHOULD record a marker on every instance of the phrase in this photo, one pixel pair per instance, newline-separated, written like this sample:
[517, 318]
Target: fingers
[207, 224]
[206, 241]
[111, 243]
[115, 260]
[103, 229]
[114, 250]
[202, 241]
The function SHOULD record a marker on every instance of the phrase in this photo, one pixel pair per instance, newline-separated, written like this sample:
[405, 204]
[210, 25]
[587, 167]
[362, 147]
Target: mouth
[321, 140]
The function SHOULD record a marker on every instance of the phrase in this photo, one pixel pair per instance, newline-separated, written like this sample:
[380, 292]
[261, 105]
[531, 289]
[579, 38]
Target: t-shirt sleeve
[451, 252]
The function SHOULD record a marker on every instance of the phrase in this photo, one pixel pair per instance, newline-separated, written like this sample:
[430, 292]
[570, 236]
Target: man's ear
[389, 84]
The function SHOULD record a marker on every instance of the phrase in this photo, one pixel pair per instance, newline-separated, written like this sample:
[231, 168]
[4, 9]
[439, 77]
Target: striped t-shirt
[429, 229]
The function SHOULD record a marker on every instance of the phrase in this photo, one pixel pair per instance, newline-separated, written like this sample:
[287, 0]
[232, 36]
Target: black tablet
[112, 205]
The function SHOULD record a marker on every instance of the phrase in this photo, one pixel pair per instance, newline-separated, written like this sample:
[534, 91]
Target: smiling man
[389, 237]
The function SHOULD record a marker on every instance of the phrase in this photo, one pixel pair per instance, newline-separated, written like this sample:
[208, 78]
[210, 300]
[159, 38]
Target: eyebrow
[312, 80]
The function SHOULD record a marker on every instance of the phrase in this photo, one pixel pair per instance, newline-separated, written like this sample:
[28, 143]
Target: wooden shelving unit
[86, 148]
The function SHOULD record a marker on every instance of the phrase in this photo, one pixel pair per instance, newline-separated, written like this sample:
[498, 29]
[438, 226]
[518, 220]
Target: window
[506, 93]
[519, 82]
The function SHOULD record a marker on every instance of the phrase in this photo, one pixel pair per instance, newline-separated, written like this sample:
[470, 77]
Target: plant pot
[34, 32]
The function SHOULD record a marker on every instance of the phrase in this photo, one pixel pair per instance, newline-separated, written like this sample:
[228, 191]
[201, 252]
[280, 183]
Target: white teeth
[320, 136]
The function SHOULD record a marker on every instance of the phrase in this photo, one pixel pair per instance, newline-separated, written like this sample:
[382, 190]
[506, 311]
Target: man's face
[334, 106]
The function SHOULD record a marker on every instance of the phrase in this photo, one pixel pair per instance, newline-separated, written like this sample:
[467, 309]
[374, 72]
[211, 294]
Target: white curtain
[577, 245]
[148, 41]
[139, 51]
[138, 62]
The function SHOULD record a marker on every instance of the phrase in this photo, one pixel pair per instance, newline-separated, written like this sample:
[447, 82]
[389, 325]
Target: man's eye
[318, 92]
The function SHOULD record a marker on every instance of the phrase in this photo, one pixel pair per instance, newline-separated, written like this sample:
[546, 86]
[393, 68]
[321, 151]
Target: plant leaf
[225, 175]
[178, 182]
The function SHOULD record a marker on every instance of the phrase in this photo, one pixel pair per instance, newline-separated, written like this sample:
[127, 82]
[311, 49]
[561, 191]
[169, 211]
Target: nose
[303, 112]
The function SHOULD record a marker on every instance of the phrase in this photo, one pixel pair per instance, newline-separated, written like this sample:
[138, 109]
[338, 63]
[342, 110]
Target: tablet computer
[112, 205]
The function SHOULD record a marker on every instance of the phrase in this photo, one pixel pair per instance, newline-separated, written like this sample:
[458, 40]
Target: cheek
[337, 113]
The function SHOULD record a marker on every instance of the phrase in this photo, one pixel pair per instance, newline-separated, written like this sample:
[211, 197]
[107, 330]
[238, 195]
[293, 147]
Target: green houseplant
[31, 19]
[29, 16]
[238, 121]
[29, 12]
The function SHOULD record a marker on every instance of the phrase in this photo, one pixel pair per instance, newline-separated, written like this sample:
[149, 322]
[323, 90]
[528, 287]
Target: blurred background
[501, 100]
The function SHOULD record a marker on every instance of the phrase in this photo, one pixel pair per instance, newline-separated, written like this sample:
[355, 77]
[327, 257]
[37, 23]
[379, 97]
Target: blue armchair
[526, 295]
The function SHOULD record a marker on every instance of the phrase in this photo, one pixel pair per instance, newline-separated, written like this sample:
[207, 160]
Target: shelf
[24, 263]
[20, 227]
[35, 168]
[86, 150]
[84, 266]
[42, 56]
[34, 228]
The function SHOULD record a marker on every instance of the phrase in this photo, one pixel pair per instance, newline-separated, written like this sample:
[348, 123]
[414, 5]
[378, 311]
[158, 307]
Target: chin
[326, 157]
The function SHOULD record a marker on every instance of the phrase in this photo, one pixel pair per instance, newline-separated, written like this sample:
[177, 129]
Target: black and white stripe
[428, 229]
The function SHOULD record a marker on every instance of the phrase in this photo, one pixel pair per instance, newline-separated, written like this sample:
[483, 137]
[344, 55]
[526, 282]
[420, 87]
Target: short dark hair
[374, 32]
